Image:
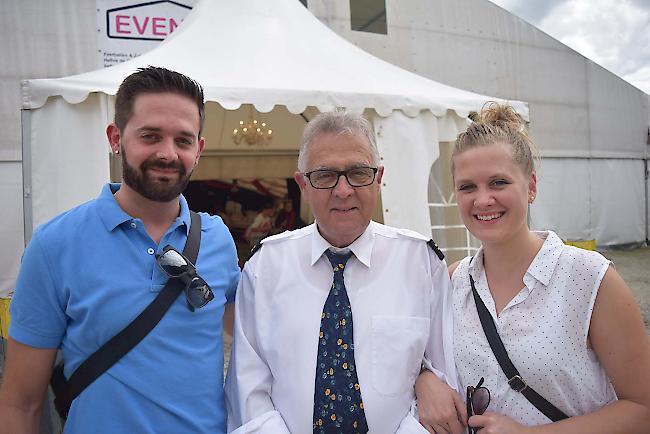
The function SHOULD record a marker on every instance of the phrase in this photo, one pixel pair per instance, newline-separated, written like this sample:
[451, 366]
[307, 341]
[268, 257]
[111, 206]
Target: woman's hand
[494, 423]
[440, 408]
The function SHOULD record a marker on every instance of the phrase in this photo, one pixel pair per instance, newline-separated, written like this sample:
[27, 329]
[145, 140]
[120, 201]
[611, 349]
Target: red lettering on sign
[157, 25]
[146, 26]
[142, 29]
[172, 25]
[120, 22]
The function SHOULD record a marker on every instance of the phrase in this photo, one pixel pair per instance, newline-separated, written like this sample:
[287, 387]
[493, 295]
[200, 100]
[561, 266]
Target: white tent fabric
[67, 165]
[252, 52]
[597, 199]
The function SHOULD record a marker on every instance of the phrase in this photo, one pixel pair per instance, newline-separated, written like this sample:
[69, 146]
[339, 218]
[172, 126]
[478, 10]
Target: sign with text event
[128, 28]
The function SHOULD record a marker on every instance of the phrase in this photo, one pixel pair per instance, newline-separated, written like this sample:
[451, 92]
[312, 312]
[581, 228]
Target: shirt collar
[476, 265]
[112, 215]
[361, 247]
[184, 216]
[546, 260]
[542, 267]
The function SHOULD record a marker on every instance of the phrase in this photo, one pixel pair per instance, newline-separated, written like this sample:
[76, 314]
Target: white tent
[247, 52]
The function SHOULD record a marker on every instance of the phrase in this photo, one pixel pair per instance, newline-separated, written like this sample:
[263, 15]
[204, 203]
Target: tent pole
[26, 129]
[49, 422]
[647, 223]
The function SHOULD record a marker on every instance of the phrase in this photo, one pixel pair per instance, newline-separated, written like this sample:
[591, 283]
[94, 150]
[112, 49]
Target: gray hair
[336, 123]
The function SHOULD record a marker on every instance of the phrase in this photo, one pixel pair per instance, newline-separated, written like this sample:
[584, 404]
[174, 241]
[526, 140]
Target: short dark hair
[154, 79]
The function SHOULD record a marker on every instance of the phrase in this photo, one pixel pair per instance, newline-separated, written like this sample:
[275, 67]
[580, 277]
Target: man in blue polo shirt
[89, 272]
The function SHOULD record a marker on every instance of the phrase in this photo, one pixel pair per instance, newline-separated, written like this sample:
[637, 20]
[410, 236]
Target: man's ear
[114, 135]
[380, 174]
[300, 180]
[201, 148]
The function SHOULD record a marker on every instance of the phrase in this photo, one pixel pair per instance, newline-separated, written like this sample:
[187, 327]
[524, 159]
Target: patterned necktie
[337, 397]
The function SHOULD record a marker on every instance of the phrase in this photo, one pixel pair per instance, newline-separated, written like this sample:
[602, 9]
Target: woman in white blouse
[569, 323]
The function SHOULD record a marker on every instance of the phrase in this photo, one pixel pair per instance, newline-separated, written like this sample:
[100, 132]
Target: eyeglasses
[356, 177]
[197, 292]
[478, 399]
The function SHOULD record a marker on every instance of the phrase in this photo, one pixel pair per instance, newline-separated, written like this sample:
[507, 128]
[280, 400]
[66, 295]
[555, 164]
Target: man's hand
[440, 408]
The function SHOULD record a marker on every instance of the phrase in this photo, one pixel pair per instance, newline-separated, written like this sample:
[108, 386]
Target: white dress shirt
[401, 307]
[544, 328]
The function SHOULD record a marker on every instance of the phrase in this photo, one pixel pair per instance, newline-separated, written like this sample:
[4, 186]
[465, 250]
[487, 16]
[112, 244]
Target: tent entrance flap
[408, 147]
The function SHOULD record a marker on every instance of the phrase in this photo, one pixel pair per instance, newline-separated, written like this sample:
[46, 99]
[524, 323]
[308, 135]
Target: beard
[157, 189]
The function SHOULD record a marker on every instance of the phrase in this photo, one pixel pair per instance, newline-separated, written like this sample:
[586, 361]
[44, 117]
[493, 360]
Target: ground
[634, 266]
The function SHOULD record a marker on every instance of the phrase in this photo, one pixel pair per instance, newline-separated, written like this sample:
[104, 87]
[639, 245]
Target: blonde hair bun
[504, 115]
[499, 123]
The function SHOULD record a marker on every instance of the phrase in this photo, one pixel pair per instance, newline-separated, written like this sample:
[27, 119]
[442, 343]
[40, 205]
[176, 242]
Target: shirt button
[133, 225]
[150, 251]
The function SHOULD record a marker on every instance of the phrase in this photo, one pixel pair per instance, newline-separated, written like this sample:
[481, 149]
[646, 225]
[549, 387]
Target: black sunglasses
[197, 292]
[478, 399]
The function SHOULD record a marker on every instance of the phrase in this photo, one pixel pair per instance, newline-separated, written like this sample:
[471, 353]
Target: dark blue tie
[338, 408]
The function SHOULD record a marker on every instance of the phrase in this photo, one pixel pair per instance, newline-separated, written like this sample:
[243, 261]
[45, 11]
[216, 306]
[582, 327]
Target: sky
[613, 33]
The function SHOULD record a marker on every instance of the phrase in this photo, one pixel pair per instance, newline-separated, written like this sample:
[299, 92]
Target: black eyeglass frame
[188, 277]
[470, 405]
[340, 173]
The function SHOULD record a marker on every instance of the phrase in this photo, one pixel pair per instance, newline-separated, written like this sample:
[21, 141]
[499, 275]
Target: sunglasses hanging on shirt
[478, 399]
[197, 292]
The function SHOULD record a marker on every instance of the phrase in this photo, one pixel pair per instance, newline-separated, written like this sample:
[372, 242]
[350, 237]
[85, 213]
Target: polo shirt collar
[112, 215]
[361, 247]
[184, 215]
[109, 210]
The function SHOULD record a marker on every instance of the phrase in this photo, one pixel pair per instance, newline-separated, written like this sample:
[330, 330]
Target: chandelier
[252, 131]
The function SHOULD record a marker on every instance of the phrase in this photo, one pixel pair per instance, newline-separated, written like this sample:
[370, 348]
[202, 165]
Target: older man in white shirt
[335, 320]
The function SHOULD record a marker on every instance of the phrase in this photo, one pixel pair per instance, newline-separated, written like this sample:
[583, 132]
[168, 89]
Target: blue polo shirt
[88, 273]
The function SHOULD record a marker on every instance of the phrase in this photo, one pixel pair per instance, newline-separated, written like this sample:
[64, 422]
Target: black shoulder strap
[120, 344]
[436, 249]
[515, 380]
[191, 249]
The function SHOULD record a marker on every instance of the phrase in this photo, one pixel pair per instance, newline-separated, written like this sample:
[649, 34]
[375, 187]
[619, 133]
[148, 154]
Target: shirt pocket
[398, 344]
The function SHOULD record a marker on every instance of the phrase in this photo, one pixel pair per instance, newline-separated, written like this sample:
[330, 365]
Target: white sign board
[128, 28]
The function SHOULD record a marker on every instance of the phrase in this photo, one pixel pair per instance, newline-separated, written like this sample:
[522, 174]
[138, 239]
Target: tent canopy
[274, 55]
[269, 53]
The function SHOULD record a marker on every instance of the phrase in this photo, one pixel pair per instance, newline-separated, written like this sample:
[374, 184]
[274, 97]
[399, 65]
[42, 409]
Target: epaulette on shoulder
[418, 236]
[411, 234]
[277, 237]
[254, 250]
[436, 249]
[268, 240]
